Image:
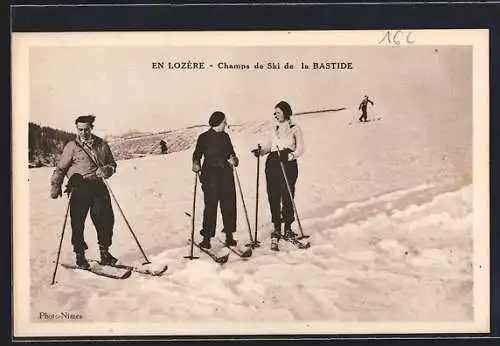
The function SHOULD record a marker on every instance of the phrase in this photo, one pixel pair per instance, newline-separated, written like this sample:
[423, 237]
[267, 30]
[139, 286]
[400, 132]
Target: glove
[256, 152]
[285, 155]
[233, 161]
[55, 191]
[196, 167]
[73, 182]
[105, 171]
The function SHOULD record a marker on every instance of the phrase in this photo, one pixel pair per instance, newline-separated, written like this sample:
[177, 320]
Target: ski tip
[160, 272]
[126, 275]
[247, 253]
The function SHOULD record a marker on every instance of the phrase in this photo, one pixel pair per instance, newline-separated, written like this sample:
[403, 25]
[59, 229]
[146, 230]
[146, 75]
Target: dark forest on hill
[45, 144]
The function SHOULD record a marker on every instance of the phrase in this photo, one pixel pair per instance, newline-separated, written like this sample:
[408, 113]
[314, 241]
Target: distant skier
[362, 106]
[285, 144]
[217, 178]
[163, 146]
[88, 191]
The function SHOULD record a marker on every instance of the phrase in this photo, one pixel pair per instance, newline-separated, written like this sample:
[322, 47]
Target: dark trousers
[363, 116]
[277, 192]
[218, 186]
[94, 196]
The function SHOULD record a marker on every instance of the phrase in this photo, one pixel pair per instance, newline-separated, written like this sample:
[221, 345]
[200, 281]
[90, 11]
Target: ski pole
[302, 236]
[252, 243]
[99, 165]
[192, 218]
[244, 205]
[126, 221]
[60, 242]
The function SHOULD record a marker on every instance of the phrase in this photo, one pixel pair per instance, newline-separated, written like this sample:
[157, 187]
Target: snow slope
[388, 205]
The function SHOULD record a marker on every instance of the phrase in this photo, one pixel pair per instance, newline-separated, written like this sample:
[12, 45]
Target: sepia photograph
[250, 183]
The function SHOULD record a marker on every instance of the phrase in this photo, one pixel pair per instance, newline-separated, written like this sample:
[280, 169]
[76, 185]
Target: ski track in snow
[390, 242]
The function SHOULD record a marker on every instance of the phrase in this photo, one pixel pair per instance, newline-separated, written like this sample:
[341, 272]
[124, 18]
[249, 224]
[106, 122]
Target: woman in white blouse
[285, 144]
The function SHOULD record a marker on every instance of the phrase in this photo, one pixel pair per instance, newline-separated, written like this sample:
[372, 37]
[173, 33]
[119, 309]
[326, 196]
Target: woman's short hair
[285, 108]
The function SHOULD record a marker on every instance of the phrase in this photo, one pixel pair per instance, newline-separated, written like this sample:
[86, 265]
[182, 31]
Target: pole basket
[191, 257]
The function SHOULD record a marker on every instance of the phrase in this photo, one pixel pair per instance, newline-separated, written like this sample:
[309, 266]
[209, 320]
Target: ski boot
[288, 233]
[230, 240]
[81, 261]
[275, 237]
[205, 243]
[276, 233]
[107, 258]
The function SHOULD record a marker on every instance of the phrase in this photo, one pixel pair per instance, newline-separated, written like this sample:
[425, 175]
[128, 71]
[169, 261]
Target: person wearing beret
[87, 160]
[217, 179]
[285, 145]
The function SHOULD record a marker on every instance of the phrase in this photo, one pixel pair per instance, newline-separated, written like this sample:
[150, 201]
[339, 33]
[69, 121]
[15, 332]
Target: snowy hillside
[177, 140]
[388, 205]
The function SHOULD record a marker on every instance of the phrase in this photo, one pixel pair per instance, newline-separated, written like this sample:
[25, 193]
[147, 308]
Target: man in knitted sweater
[86, 161]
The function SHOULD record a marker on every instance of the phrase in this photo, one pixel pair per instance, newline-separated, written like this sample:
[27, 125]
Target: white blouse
[282, 136]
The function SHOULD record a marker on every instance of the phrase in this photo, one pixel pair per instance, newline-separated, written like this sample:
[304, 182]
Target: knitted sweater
[75, 160]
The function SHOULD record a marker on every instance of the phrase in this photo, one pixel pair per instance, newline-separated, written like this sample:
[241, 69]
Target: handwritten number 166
[394, 37]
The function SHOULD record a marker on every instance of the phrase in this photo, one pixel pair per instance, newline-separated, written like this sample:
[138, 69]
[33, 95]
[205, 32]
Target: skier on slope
[88, 191]
[217, 178]
[285, 144]
[362, 106]
[163, 146]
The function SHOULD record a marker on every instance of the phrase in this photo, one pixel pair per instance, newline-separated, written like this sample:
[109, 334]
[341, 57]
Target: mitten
[105, 171]
[196, 167]
[55, 191]
[233, 161]
[73, 182]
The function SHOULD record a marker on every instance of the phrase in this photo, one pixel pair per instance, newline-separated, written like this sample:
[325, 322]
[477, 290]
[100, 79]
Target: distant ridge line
[321, 111]
[233, 125]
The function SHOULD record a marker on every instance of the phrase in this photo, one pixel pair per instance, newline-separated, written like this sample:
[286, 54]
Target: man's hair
[85, 119]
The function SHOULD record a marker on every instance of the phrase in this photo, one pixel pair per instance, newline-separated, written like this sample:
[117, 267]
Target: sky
[119, 86]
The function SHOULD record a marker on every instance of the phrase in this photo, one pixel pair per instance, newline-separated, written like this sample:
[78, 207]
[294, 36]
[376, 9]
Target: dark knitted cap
[216, 118]
[286, 108]
[85, 119]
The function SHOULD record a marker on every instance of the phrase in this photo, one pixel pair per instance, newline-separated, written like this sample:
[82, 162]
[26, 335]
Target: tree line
[45, 144]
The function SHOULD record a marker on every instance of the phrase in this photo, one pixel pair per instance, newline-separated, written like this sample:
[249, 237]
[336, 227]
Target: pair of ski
[118, 270]
[221, 259]
[246, 253]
